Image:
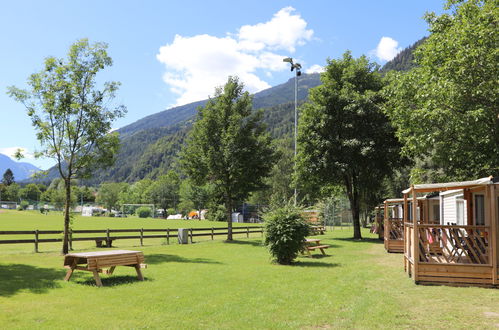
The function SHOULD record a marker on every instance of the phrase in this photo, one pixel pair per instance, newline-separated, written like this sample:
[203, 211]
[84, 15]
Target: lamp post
[297, 68]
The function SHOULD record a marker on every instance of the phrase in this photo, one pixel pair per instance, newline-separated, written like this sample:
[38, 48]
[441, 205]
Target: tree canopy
[228, 147]
[71, 116]
[344, 138]
[446, 109]
[8, 177]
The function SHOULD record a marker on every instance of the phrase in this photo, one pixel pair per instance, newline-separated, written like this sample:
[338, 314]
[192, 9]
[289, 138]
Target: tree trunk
[228, 206]
[353, 197]
[65, 241]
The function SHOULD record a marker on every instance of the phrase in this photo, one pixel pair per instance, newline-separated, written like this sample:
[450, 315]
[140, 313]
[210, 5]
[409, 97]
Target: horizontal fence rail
[166, 233]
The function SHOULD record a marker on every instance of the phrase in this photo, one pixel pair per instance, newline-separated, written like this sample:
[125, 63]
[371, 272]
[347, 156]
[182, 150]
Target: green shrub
[143, 212]
[217, 213]
[285, 232]
[23, 206]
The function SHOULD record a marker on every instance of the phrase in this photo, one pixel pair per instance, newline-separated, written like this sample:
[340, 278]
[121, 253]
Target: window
[436, 213]
[479, 210]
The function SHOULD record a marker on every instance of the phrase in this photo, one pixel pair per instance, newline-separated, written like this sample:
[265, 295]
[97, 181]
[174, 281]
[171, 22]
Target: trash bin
[183, 235]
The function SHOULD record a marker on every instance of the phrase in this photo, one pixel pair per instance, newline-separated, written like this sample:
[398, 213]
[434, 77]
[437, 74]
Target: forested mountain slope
[149, 146]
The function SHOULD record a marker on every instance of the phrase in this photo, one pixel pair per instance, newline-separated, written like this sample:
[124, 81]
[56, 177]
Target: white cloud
[10, 151]
[316, 68]
[387, 49]
[196, 65]
[283, 31]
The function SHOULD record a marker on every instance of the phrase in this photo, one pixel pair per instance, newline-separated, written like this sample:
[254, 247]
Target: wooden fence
[108, 236]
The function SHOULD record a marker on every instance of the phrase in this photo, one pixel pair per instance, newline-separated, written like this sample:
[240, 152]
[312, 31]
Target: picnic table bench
[107, 242]
[318, 230]
[312, 244]
[95, 262]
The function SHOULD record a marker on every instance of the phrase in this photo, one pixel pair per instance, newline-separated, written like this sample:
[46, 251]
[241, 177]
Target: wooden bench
[314, 244]
[95, 262]
[318, 230]
[99, 242]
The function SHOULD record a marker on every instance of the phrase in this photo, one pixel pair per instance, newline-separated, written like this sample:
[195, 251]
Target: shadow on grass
[239, 242]
[112, 280]
[314, 264]
[363, 240]
[153, 259]
[17, 277]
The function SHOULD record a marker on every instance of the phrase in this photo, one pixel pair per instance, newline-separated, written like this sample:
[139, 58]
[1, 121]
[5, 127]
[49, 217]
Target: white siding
[449, 208]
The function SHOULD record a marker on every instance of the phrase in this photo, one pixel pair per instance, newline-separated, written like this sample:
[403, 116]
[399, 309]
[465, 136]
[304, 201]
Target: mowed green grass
[32, 220]
[213, 284]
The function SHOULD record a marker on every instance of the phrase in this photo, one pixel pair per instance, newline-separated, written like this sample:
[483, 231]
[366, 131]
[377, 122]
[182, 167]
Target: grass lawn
[212, 284]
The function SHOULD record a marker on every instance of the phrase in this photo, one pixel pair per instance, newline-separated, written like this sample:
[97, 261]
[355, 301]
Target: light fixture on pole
[297, 68]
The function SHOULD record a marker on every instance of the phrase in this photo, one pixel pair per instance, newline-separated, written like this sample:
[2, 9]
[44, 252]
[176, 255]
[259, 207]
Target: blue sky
[169, 53]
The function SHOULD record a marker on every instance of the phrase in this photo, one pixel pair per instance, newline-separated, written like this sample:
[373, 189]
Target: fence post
[71, 239]
[247, 232]
[190, 231]
[141, 236]
[168, 236]
[261, 228]
[36, 240]
[108, 241]
[212, 230]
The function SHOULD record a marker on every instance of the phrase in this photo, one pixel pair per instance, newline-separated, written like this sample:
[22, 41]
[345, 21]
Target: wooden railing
[108, 236]
[441, 244]
[395, 229]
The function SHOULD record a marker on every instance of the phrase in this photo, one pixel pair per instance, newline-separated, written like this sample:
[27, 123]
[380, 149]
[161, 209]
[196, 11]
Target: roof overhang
[431, 187]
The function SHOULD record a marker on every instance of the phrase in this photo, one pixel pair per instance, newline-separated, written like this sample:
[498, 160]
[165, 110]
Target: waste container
[183, 235]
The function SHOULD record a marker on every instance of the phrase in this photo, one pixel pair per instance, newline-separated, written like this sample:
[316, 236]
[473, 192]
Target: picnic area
[213, 284]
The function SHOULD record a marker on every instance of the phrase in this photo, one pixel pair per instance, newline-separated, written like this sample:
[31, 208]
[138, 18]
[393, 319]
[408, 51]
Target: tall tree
[228, 147]
[164, 191]
[71, 116]
[8, 177]
[344, 137]
[30, 192]
[446, 110]
[108, 194]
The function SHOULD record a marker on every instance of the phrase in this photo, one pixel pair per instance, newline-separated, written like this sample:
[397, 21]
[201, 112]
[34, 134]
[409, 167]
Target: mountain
[21, 170]
[267, 98]
[149, 146]
[404, 61]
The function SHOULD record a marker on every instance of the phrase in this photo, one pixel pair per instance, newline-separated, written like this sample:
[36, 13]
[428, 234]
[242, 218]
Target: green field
[212, 284]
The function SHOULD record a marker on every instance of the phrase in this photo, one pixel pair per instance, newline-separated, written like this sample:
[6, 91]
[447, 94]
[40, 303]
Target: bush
[23, 206]
[143, 212]
[285, 232]
[217, 213]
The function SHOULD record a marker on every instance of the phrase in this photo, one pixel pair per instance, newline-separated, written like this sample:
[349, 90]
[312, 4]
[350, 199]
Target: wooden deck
[452, 255]
[394, 235]
[464, 255]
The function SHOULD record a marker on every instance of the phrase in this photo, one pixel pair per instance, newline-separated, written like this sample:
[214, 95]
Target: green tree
[8, 177]
[12, 192]
[108, 194]
[31, 192]
[446, 110]
[193, 196]
[164, 192]
[71, 116]
[344, 137]
[228, 147]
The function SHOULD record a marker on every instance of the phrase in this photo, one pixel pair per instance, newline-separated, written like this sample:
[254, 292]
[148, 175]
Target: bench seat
[313, 247]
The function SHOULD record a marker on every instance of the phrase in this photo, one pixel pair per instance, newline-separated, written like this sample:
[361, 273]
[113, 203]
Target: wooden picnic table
[314, 244]
[95, 262]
